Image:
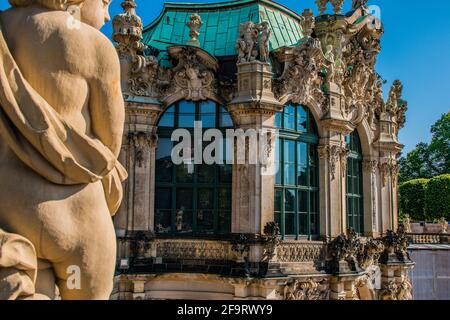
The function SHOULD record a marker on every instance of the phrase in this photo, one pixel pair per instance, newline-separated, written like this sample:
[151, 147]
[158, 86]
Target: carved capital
[389, 169]
[370, 165]
[143, 141]
[335, 154]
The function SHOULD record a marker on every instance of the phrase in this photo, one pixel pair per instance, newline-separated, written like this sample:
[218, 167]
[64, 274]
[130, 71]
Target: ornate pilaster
[371, 193]
[141, 81]
[388, 173]
[139, 154]
[253, 110]
[333, 162]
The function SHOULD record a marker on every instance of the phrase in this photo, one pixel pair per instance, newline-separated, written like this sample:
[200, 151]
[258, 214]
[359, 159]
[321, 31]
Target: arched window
[191, 199]
[296, 183]
[355, 200]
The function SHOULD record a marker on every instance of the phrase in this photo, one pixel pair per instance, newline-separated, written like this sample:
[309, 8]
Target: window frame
[354, 160]
[195, 185]
[311, 139]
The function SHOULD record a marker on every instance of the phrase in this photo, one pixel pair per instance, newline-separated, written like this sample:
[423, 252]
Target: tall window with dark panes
[355, 200]
[296, 183]
[191, 199]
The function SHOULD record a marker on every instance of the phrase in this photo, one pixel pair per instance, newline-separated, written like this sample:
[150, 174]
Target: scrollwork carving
[301, 81]
[194, 73]
[306, 290]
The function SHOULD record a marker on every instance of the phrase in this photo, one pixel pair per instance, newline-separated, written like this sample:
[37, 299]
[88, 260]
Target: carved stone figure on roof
[263, 41]
[194, 25]
[246, 43]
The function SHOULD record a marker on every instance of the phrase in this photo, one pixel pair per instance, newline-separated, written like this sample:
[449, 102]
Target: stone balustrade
[428, 238]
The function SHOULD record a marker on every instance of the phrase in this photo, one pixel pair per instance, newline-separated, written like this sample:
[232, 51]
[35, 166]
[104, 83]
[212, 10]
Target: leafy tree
[437, 197]
[429, 160]
[440, 144]
[412, 199]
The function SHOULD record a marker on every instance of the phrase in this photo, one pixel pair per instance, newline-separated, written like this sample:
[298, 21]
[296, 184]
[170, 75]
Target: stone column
[253, 184]
[138, 155]
[333, 164]
[371, 191]
[388, 147]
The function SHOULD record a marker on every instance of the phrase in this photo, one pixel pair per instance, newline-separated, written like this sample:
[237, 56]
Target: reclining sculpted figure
[61, 127]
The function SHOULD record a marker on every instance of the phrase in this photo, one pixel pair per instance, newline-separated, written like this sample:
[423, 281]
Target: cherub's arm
[106, 101]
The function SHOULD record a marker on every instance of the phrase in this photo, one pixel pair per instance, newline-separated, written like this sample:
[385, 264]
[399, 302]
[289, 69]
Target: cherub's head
[92, 12]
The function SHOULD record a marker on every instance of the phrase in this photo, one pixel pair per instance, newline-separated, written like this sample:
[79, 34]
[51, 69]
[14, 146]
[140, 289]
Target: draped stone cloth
[18, 267]
[46, 143]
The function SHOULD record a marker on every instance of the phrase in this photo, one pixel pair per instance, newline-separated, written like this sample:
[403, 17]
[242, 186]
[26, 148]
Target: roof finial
[322, 6]
[127, 28]
[308, 22]
[337, 6]
[194, 25]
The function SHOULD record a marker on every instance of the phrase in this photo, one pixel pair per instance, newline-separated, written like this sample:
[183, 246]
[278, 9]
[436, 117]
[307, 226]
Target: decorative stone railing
[157, 250]
[295, 251]
[192, 249]
[428, 238]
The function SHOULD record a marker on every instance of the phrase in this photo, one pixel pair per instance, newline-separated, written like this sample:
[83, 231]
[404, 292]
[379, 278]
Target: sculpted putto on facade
[253, 42]
[61, 130]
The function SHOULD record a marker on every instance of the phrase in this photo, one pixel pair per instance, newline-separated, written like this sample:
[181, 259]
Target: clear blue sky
[416, 50]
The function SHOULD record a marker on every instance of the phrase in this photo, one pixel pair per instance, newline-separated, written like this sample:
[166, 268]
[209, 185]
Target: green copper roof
[221, 21]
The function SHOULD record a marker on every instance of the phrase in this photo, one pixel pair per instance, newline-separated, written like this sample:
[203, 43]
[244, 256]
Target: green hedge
[437, 197]
[412, 199]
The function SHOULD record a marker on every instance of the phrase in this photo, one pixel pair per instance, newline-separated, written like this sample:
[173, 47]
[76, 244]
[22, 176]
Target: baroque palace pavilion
[324, 225]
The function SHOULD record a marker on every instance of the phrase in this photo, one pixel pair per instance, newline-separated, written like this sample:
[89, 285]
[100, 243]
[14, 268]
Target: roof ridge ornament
[356, 4]
[322, 6]
[337, 5]
[194, 25]
[308, 22]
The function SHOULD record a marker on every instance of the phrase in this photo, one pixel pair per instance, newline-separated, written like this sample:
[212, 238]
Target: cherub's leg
[91, 265]
[96, 272]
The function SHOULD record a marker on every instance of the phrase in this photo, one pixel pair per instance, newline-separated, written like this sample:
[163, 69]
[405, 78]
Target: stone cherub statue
[263, 41]
[246, 43]
[61, 127]
[253, 42]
